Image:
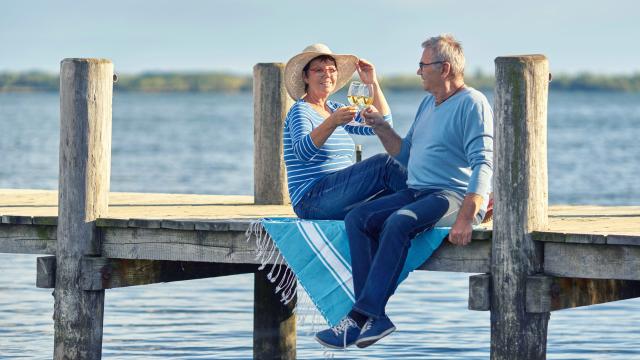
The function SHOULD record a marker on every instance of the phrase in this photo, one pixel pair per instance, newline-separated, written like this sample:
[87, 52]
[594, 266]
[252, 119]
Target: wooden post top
[520, 58]
[271, 64]
[86, 60]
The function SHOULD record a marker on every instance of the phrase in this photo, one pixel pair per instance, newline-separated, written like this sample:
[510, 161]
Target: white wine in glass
[353, 94]
[366, 95]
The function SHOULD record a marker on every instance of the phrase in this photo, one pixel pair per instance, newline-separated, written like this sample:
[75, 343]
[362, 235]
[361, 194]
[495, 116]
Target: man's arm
[391, 141]
[478, 143]
[461, 230]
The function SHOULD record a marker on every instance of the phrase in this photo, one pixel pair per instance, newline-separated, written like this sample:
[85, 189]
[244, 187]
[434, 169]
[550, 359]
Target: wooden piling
[274, 324]
[86, 87]
[521, 202]
[270, 105]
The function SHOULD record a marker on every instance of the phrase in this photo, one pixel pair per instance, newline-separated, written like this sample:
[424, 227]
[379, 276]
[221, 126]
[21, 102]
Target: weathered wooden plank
[232, 247]
[592, 261]
[229, 247]
[86, 87]
[28, 239]
[218, 225]
[145, 223]
[480, 292]
[604, 220]
[17, 219]
[473, 258]
[99, 273]
[46, 272]
[112, 222]
[45, 220]
[274, 324]
[624, 239]
[241, 224]
[548, 293]
[481, 234]
[547, 236]
[178, 224]
[270, 105]
[520, 204]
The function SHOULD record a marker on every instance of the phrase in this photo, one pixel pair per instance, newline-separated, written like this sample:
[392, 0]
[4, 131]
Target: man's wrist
[384, 125]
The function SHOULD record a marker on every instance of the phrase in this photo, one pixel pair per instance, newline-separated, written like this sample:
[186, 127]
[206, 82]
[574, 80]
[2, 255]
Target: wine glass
[366, 94]
[353, 94]
[360, 95]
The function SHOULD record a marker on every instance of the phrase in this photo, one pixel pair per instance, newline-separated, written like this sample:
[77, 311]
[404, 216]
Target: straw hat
[293, 81]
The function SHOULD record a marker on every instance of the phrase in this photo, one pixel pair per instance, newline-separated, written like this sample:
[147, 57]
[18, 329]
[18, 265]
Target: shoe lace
[367, 325]
[342, 327]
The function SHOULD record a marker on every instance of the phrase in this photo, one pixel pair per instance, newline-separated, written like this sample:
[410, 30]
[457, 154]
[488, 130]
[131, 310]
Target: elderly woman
[318, 149]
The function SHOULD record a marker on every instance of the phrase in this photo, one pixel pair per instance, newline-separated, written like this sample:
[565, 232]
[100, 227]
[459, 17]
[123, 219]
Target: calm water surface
[202, 143]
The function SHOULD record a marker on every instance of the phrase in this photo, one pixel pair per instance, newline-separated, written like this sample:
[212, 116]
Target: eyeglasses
[421, 64]
[322, 71]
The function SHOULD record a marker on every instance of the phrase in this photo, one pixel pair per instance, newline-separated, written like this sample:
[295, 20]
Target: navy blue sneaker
[340, 336]
[374, 330]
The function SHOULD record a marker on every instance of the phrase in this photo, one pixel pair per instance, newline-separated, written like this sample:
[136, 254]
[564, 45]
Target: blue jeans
[380, 234]
[333, 196]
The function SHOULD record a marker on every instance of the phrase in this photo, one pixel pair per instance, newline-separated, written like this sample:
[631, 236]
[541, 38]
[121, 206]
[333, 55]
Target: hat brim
[294, 83]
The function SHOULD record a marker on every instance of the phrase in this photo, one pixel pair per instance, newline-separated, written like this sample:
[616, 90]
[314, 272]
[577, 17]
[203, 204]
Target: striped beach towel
[317, 251]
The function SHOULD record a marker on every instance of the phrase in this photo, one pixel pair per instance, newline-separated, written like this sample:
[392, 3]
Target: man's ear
[446, 70]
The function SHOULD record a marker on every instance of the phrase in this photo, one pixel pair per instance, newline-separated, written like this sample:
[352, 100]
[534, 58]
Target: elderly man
[448, 153]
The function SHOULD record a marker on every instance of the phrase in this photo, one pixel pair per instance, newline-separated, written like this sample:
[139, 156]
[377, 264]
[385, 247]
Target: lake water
[203, 143]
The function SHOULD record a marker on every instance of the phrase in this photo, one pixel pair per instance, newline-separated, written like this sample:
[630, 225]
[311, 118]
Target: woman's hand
[367, 72]
[342, 115]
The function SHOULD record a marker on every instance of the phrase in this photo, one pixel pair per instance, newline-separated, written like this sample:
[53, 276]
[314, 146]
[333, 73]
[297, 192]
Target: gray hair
[446, 48]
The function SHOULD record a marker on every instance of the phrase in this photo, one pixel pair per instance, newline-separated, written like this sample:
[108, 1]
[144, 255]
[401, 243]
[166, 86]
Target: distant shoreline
[159, 82]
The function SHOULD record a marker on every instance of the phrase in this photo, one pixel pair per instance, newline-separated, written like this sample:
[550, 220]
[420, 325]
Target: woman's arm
[367, 73]
[340, 116]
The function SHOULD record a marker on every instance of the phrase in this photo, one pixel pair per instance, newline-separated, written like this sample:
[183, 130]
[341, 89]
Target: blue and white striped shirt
[306, 163]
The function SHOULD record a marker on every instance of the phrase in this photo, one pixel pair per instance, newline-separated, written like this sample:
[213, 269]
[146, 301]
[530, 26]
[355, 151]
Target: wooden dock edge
[549, 293]
[99, 273]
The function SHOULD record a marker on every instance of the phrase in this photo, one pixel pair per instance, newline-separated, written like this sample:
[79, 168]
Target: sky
[159, 35]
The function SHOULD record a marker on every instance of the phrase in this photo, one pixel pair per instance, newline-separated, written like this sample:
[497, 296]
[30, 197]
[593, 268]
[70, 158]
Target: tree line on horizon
[231, 83]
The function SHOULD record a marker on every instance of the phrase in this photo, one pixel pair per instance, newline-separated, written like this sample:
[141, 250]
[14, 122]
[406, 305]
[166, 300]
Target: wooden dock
[533, 259]
[148, 226]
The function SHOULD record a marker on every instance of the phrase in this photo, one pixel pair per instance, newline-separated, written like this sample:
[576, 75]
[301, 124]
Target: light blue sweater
[450, 146]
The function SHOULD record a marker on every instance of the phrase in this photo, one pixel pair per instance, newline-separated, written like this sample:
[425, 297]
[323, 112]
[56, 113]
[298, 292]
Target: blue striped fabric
[307, 163]
[317, 251]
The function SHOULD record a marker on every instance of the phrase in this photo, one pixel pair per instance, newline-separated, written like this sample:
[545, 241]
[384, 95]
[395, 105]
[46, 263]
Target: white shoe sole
[370, 340]
[329, 345]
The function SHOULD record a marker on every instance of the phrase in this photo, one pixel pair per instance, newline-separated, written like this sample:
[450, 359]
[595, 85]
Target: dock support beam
[274, 324]
[521, 202]
[86, 87]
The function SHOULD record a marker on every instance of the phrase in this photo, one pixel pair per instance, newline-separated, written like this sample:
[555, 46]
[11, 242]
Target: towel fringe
[278, 263]
[284, 279]
[289, 291]
[308, 321]
[265, 250]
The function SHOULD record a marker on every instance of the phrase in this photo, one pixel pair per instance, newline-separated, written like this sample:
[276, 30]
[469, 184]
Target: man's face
[430, 74]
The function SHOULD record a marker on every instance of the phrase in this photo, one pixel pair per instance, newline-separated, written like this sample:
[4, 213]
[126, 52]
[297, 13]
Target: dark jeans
[380, 234]
[333, 196]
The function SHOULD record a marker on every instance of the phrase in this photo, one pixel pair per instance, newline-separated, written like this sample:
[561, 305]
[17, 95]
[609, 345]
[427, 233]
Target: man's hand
[462, 229]
[372, 117]
[460, 233]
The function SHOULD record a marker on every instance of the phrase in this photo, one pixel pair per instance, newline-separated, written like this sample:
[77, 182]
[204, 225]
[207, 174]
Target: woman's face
[321, 77]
